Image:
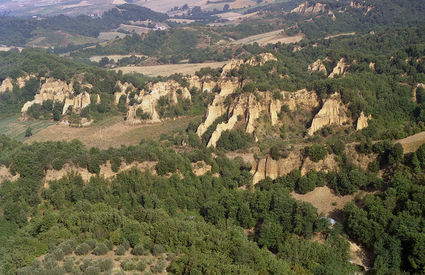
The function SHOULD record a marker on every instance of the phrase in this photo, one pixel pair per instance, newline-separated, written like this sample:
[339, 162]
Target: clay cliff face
[317, 66]
[7, 84]
[258, 60]
[363, 121]
[340, 68]
[148, 100]
[59, 91]
[333, 112]
[307, 9]
[250, 107]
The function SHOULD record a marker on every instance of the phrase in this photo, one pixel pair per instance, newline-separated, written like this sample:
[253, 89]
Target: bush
[138, 250]
[316, 152]
[158, 249]
[141, 265]
[101, 249]
[128, 265]
[58, 253]
[159, 267]
[82, 249]
[68, 264]
[234, 140]
[105, 264]
[92, 243]
[120, 250]
[92, 270]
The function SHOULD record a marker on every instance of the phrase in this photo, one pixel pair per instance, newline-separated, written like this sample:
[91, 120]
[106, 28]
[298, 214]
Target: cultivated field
[169, 69]
[114, 57]
[111, 132]
[269, 37]
[15, 129]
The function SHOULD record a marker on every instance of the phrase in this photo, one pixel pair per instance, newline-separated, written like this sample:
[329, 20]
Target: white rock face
[340, 68]
[363, 121]
[333, 112]
[307, 9]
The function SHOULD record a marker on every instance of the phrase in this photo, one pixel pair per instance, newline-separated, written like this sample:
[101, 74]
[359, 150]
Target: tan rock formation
[258, 60]
[372, 66]
[6, 85]
[217, 108]
[54, 90]
[362, 121]
[78, 102]
[307, 9]
[317, 66]
[195, 82]
[340, 68]
[327, 164]
[268, 167]
[148, 101]
[414, 95]
[250, 107]
[333, 112]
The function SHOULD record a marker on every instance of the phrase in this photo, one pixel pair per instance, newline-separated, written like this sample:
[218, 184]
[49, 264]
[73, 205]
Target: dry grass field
[412, 143]
[115, 57]
[169, 69]
[111, 132]
[269, 37]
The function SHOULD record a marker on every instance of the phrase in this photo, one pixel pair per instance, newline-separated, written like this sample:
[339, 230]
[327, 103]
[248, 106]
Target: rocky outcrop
[327, 164]
[268, 167]
[250, 107]
[317, 66]
[414, 92]
[333, 112]
[148, 100]
[125, 90]
[78, 102]
[217, 107]
[307, 9]
[6, 85]
[363, 121]
[340, 68]
[59, 91]
[258, 60]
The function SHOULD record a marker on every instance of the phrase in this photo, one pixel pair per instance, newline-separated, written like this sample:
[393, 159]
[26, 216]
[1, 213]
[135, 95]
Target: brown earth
[412, 143]
[112, 132]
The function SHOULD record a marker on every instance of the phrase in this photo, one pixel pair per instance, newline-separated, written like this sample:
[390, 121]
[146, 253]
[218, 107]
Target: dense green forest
[218, 221]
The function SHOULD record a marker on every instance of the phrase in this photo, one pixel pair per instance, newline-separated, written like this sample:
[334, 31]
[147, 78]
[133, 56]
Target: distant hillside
[17, 31]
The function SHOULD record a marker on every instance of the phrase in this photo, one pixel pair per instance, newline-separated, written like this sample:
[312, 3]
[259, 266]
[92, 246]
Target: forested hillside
[288, 158]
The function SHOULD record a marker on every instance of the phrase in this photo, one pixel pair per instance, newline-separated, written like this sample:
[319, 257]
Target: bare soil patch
[326, 201]
[412, 143]
[112, 132]
[169, 69]
[270, 38]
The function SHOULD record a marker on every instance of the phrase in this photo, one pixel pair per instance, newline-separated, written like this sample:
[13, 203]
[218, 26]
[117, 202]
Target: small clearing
[412, 143]
[269, 38]
[326, 201]
[169, 69]
[111, 132]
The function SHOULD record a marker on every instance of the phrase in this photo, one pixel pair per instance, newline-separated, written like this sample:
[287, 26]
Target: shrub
[159, 267]
[68, 264]
[105, 264]
[58, 253]
[234, 140]
[82, 249]
[316, 152]
[120, 250]
[91, 243]
[138, 250]
[158, 249]
[275, 152]
[101, 249]
[141, 265]
[128, 265]
[109, 244]
[92, 270]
